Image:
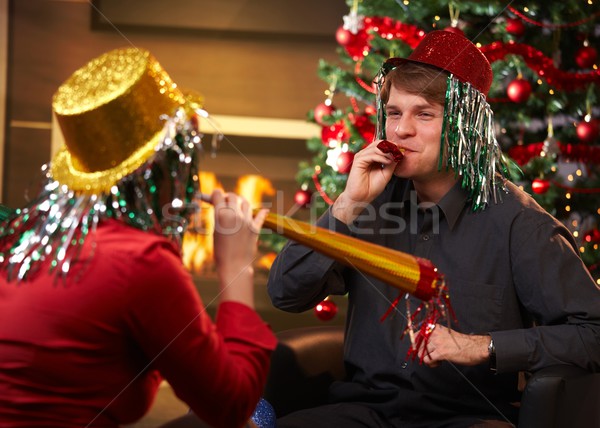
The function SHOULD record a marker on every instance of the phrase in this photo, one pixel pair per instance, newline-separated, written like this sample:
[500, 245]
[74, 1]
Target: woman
[95, 305]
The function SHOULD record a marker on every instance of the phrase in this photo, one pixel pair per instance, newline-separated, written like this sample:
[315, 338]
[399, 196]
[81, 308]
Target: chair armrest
[306, 361]
[561, 396]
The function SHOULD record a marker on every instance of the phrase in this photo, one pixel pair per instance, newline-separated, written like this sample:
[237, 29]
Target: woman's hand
[371, 171]
[235, 242]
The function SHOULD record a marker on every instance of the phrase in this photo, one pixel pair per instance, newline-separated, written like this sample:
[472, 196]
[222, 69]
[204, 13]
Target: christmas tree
[544, 95]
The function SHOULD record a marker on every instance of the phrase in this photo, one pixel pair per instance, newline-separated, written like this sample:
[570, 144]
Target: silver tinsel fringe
[51, 230]
[469, 144]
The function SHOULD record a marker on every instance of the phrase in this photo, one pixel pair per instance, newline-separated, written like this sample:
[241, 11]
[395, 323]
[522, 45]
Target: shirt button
[425, 238]
[404, 365]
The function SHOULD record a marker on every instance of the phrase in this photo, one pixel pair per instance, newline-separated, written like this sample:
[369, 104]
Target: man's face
[415, 125]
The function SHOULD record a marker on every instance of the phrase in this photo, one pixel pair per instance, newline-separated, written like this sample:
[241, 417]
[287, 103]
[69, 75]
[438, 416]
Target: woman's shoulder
[118, 237]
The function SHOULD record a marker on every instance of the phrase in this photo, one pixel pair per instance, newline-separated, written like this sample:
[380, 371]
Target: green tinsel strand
[5, 212]
[470, 145]
[52, 230]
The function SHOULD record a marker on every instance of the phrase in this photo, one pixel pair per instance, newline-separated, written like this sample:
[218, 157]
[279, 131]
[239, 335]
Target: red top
[88, 351]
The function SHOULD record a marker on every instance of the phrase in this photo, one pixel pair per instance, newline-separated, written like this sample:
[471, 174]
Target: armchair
[308, 359]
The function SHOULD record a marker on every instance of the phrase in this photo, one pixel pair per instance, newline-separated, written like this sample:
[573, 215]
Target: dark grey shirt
[512, 270]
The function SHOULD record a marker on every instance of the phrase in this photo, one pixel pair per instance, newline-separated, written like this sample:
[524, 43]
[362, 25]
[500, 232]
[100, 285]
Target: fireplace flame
[253, 187]
[197, 246]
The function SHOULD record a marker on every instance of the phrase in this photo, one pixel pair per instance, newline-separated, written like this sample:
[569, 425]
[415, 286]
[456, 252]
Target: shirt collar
[451, 205]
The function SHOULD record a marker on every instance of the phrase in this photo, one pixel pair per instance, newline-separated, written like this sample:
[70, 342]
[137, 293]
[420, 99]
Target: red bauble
[592, 236]
[343, 36]
[455, 30]
[515, 27]
[588, 132]
[344, 162]
[365, 127]
[355, 44]
[326, 310]
[334, 134]
[323, 110]
[520, 154]
[540, 186]
[518, 90]
[302, 198]
[586, 57]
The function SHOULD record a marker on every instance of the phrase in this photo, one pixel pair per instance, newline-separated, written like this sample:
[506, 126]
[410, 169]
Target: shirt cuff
[328, 221]
[512, 354]
[240, 322]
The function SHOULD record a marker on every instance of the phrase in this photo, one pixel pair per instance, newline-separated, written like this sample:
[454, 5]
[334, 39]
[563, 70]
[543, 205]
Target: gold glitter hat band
[109, 112]
[65, 172]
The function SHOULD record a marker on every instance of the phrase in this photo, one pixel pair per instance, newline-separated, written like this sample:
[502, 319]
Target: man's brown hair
[423, 80]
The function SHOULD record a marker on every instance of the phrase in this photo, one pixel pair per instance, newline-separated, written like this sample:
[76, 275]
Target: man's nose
[404, 127]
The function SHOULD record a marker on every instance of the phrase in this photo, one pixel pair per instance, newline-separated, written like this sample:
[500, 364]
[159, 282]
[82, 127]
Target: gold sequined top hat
[109, 112]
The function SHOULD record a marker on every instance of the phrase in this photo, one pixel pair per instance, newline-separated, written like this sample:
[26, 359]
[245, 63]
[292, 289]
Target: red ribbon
[542, 65]
[541, 24]
[324, 195]
[572, 152]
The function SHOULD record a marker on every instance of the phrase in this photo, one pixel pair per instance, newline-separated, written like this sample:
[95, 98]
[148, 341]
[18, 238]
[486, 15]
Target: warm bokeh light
[266, 261]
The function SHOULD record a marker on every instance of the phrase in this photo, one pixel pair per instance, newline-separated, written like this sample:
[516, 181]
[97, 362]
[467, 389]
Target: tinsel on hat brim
[469, 145]
[468, 142]
[5, 212]
[158, 197]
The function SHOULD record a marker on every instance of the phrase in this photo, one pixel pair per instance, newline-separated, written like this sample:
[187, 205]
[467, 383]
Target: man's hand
[371, 171]
[449, 345]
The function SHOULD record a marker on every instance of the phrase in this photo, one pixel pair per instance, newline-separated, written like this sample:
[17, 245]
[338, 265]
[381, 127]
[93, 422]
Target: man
[523, 298]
